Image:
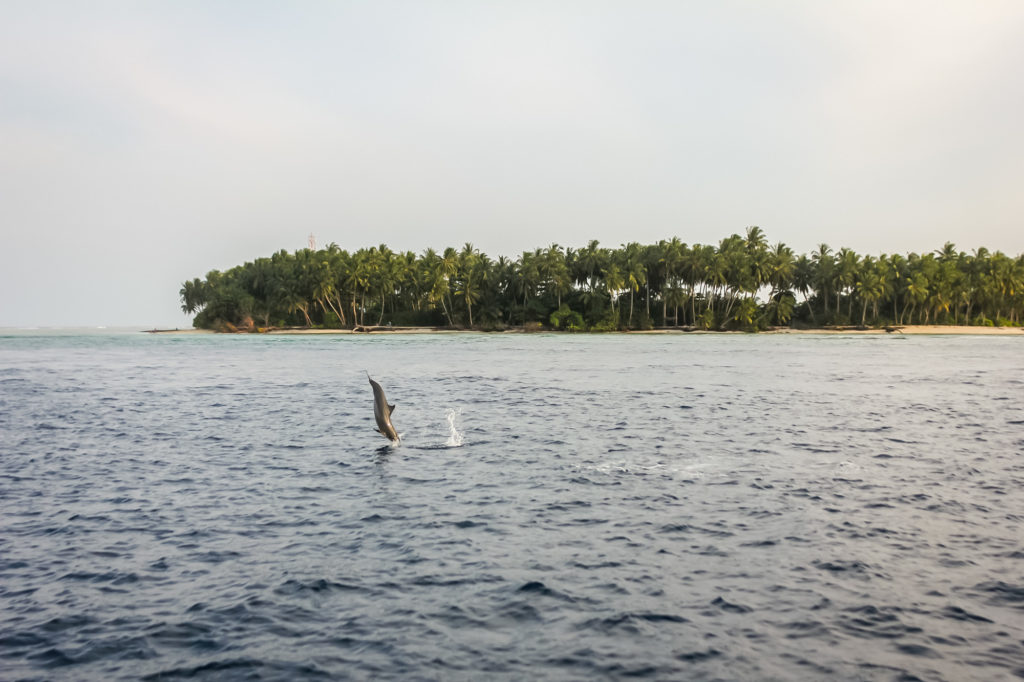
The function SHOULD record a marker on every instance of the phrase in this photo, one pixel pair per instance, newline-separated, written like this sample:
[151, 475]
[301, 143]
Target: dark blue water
[713, 507]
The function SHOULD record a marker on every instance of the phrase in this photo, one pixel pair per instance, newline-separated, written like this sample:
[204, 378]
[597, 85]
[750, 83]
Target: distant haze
[142, 144]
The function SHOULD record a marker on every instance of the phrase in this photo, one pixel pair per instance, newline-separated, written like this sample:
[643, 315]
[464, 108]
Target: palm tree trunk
[446, 313]
[330, 304]
[728, 308]
[341, 311]
[693, 303]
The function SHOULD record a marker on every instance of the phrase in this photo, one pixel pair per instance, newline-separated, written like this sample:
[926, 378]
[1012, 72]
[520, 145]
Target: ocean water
[702, 507]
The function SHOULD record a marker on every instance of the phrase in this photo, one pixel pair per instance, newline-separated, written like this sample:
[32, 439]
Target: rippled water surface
[562, 507]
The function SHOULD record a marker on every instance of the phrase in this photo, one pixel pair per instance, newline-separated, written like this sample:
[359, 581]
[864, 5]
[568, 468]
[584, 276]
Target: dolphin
[382, 412]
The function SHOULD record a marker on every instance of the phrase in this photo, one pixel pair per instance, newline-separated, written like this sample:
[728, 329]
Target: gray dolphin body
[382, 412]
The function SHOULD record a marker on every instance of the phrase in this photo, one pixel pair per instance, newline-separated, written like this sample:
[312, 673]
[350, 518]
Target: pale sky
[146, 143]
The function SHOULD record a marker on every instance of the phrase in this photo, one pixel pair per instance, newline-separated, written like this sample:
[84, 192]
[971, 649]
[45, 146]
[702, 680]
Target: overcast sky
[145, 143]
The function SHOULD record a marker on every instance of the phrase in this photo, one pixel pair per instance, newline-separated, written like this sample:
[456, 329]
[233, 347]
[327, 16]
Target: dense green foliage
[743, 283]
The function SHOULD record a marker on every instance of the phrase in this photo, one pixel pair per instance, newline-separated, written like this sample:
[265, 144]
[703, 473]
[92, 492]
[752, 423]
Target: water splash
[454, 435]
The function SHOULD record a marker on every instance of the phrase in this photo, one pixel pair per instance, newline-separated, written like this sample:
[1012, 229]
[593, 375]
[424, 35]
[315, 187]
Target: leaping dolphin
[382, 412]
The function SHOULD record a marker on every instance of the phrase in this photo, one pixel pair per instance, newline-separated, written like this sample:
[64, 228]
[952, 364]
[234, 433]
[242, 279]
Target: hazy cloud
[145, 143]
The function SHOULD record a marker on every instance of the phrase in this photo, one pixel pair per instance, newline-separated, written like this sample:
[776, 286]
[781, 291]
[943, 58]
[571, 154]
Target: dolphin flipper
[391, 408]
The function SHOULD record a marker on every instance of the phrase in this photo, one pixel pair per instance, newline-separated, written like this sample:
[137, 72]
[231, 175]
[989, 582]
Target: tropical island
[742, 284]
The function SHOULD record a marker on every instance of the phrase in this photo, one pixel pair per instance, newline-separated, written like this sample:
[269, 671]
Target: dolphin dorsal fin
[391, 408]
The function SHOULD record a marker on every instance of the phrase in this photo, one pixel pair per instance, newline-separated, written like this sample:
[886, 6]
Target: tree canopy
[743, 282]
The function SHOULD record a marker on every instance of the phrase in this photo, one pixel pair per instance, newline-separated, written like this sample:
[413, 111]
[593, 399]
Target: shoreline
[910, 330]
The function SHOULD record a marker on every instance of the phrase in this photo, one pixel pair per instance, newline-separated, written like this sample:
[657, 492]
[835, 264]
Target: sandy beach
[915, 329]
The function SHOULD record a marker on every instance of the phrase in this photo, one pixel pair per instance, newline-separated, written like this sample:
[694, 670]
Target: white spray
[454, 435]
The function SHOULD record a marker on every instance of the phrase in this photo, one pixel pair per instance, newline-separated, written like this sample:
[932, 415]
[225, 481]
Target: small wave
[631, 622]
[957, 613]
[540, 589]
[295, 587]
[696, 656]
[729, 606]
[918, 650]
[237, 668]
[1002, 593]
[841, 566]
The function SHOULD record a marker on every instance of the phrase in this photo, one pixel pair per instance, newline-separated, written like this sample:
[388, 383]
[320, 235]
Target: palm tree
[674, 296]
[948, 253]
[384, 276]
[324, 290]
[736, 272]
[435, 277]
[758, 258]
[556, 272]
[804, 278]
[717, 276]
[869, 287]
[782, 269]
[292, 300]
[845, 274]
[504, 283]
[614, 281]
[529, 277]
[916, 289]
[697, 269]
[329, 272]
[671, 257]
[469, 276]
[746, 311]
[592, 260]
[193, 296]
[449, 268]
[824, 264]
[634, 273]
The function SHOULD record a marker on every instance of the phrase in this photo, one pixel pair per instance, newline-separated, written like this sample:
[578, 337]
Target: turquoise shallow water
[562, 507]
